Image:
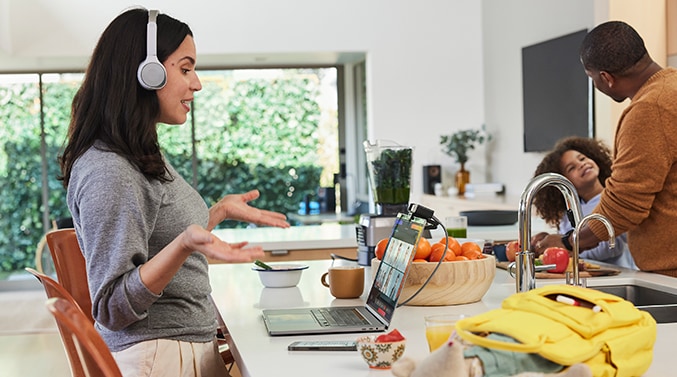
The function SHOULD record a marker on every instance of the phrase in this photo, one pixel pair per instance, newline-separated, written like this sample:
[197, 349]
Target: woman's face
[182, 82]
[579, 169]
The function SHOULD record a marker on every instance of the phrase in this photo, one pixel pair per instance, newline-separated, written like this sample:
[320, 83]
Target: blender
[389, 166]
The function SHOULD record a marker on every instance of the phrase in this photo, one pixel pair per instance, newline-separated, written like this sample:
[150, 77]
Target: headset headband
[151, 33]
[151, 73]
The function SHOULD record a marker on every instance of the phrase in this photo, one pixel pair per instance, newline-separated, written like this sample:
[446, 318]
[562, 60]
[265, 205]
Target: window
[272, 129]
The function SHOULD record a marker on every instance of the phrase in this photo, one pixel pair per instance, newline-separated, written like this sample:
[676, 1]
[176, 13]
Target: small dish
[379, 355]
[281, 275]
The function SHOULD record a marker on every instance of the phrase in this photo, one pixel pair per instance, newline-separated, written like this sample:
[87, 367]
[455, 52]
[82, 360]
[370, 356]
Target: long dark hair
[111, 106]
[549, 201]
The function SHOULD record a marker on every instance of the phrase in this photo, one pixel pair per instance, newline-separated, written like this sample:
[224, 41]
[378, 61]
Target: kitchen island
[240, 298]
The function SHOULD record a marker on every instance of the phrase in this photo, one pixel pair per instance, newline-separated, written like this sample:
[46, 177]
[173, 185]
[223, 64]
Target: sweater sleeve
[629, 194]
[114, 207]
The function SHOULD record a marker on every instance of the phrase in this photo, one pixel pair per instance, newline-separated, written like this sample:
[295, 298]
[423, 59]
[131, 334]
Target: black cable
[336, 256]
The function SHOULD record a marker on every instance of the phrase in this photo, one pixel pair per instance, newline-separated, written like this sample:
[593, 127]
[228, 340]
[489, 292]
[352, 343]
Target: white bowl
[281, 276]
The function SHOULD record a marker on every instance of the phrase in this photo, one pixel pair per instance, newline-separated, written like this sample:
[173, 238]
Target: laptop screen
[392, 270]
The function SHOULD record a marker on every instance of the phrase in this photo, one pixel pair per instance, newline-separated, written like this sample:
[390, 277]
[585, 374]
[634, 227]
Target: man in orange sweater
[641, 195]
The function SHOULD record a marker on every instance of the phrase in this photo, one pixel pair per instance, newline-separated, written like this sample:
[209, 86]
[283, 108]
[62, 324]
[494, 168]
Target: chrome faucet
[525, 272]
[574, 238]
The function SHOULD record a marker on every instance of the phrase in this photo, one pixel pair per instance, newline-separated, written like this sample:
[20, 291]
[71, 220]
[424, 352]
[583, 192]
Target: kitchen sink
[660, 304]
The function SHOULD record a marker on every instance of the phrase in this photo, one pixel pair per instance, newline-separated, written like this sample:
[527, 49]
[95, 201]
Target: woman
[145, 233]
[587, 164]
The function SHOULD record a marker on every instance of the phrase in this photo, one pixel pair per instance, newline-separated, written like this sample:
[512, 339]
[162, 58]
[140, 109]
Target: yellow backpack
[569, 325]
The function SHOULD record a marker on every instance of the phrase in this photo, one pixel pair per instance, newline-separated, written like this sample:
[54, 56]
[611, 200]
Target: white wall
[508, 27]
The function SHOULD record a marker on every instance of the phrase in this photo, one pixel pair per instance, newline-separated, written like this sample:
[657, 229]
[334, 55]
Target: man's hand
[536, 239]
[549, 240]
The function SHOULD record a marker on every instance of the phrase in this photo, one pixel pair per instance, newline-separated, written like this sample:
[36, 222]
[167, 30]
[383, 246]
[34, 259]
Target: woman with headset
[146, 233]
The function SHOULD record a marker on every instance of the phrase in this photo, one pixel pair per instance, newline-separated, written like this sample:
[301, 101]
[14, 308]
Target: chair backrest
[69, 264]
[43, 260]
[94, 354]
[54, 289]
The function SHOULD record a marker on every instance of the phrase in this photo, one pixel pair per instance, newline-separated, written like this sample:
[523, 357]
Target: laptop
[384, 293]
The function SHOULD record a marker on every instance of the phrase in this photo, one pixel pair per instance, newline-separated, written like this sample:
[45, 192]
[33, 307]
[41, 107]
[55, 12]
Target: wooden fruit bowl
[454, 283]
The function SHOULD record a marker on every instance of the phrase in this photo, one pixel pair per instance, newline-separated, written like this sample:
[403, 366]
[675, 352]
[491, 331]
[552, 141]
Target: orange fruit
[472, 255]
[381, 248]
[436, 253]
[461, 257]
[420, 261]
[423, 249]
[471, 250]
[454, 245]
[436, 245]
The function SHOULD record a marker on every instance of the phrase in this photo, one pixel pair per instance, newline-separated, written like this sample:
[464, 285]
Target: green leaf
[458, 144]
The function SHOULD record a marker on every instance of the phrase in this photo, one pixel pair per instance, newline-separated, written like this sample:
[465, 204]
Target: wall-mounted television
[557, 94]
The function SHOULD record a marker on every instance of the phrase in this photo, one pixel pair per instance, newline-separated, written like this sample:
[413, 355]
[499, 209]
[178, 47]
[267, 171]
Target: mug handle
[323, 279]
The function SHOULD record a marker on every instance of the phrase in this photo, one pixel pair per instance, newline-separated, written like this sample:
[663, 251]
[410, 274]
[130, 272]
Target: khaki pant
[172, 358]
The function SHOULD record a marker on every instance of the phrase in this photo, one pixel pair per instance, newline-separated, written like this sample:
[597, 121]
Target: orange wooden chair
[95, 357]
[69, 264]
[54, 289]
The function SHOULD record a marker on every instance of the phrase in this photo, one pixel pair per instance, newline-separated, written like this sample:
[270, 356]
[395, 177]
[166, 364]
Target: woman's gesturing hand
[236, 207]
[199, 239]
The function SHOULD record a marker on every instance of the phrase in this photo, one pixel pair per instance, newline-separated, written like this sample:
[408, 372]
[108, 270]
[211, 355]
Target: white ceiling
[44, 35]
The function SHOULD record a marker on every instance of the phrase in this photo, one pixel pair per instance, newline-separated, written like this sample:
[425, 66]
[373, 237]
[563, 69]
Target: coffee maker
[389, 166]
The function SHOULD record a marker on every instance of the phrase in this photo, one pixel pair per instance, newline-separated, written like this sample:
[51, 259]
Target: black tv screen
[557, 94]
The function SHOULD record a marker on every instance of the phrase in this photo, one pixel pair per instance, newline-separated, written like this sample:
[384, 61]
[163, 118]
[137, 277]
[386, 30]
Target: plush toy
[448, 361]
[445, 361]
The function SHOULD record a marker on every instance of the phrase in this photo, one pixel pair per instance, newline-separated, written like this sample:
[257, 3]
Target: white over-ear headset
[151, 73]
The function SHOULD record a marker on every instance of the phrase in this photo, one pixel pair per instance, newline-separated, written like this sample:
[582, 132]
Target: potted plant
[458, 145]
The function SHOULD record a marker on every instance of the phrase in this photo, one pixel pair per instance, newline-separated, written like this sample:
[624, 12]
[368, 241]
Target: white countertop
[296, 237]
[240, 297]
[333, 236]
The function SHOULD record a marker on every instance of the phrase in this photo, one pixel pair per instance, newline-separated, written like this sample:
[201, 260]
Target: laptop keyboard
[339, 317]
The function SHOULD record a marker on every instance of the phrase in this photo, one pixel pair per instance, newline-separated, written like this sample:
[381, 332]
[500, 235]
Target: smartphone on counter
[322, 345]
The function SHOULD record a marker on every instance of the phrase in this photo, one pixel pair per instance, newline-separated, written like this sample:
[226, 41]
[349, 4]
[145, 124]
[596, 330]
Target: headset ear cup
[151, 74]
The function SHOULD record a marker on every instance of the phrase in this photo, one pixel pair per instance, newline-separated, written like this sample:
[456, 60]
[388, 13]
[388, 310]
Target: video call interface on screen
[395, 263]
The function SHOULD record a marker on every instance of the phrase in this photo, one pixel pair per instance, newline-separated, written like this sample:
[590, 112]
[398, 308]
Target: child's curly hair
[548, 201]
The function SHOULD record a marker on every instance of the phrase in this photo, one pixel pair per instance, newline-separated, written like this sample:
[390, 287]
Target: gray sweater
[122, 220]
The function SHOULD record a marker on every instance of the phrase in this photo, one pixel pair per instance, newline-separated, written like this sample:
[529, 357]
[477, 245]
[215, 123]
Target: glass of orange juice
[438, 328]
